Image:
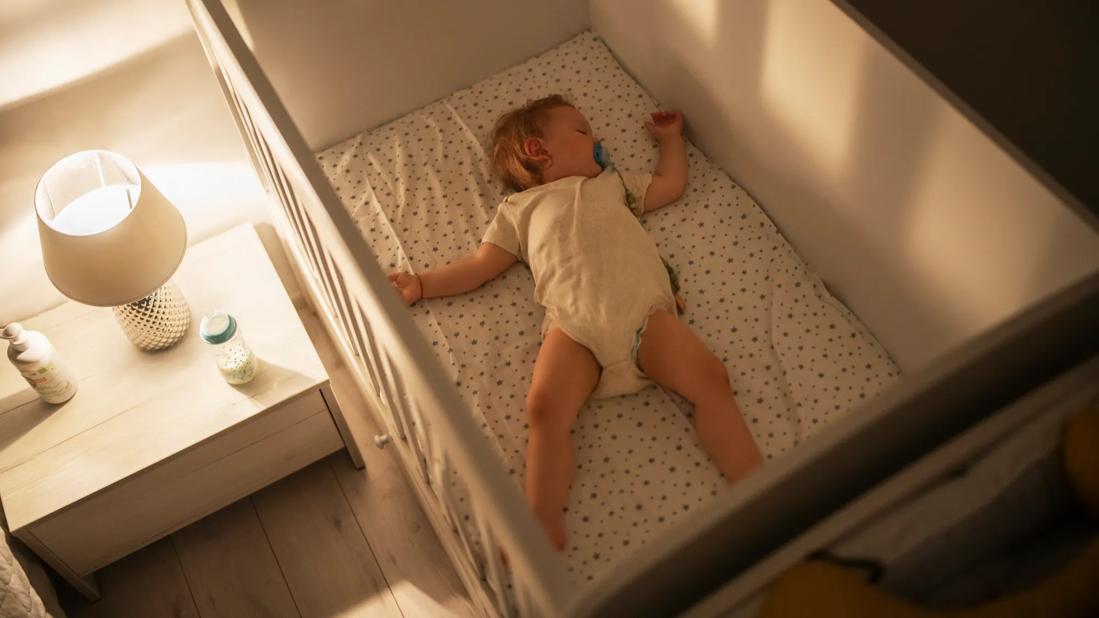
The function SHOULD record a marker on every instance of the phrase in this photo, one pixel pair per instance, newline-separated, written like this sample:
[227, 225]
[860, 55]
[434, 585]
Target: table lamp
[110, 239]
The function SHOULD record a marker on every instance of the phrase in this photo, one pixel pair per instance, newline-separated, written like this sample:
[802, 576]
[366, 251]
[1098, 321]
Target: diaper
[616, 353]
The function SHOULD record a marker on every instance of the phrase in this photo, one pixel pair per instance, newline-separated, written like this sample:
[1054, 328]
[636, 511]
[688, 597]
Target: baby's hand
[408, 286]
[665, 124]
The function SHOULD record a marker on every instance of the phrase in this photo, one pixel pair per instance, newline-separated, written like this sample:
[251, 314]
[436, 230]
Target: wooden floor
[328, 540]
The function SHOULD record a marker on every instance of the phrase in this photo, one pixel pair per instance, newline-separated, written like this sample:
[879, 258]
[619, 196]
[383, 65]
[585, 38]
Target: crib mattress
[421, 190]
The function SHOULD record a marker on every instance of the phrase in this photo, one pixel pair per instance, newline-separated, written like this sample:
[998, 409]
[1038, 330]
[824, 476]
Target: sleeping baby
[610, 327]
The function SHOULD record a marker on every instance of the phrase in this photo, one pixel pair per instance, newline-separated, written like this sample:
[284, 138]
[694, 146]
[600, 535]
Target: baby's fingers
[665, 118]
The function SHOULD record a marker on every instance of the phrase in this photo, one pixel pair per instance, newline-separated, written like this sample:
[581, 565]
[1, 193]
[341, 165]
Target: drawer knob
[381, 440]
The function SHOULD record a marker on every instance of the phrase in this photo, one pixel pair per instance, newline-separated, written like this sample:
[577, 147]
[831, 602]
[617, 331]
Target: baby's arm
[670, 177]
[464, 274]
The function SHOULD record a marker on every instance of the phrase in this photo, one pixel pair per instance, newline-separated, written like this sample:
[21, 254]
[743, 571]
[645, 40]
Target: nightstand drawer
[163, 498]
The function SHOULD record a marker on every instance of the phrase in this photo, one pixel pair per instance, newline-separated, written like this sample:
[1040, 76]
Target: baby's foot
[554, 523]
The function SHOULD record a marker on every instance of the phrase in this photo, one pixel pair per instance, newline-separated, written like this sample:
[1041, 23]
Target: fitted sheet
[421, 190]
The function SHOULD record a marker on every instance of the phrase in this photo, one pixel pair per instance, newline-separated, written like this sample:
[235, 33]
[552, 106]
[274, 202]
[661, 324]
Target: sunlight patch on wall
[702, 17]
[810, 83]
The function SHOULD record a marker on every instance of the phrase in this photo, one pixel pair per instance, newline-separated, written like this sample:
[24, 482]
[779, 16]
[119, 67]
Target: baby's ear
[533, 148]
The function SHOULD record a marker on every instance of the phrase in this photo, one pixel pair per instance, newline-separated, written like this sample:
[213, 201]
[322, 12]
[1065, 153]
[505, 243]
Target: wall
[155, 101]
[916, 219]
[1026, 67]
[356, 64]
[50, 44]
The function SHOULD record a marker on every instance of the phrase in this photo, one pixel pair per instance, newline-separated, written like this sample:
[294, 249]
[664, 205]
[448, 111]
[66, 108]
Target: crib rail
[390, 360]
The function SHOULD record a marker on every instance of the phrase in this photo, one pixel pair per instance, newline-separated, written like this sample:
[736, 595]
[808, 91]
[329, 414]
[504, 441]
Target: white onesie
[596, 270]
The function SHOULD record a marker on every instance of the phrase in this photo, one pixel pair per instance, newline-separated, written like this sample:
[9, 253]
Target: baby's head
[542, 141]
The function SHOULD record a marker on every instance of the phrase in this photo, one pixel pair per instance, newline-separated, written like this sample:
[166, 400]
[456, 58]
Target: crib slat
[392, 394]
[245, 122]
[495, 565]
[390, 379]
[461, 529]
[423, 436]
[376, 371]
[367, 364]
[386, 391]
[406, 424]
[406, 410]
[439, 471]
[321, 273]
[339, 304]
[457, 526]
[348, 307]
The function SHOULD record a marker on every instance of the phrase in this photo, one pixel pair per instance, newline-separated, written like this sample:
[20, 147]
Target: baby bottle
[233, 357]
[34, 357]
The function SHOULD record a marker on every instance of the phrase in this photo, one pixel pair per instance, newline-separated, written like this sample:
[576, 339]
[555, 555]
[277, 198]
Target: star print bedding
[421, 191]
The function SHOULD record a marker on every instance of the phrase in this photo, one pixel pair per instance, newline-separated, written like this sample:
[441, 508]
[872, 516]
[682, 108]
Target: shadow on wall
[159, 109]
[917, 221]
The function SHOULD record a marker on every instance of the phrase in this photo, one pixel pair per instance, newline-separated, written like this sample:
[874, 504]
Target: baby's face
[568, 139]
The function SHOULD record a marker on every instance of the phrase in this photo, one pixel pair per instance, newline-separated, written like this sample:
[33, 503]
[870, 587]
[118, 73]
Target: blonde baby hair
[518, 170]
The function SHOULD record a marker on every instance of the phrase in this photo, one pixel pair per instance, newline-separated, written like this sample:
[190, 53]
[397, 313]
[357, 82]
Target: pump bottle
[35, 358]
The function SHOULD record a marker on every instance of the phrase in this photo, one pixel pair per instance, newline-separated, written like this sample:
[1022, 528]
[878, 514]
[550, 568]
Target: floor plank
[147, 583]
[230, 566]
[329, 567]
[415, 565]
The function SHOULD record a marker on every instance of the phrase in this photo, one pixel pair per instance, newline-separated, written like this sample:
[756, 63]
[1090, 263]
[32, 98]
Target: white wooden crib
[965, 358]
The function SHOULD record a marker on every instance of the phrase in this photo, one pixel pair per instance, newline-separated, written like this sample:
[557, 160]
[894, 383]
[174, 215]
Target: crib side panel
[393, 366]
[915, 215]
[343, 67]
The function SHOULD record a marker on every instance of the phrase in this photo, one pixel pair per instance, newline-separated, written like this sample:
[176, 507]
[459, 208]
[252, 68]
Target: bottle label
[50, 382]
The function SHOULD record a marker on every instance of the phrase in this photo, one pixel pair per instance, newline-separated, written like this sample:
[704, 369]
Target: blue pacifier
[602, 155]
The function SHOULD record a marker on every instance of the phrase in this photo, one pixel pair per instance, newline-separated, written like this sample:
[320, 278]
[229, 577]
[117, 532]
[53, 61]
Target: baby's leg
[564, 375]
[674, 357]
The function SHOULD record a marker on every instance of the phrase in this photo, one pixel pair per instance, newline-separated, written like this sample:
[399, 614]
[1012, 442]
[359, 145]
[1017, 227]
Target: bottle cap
[16, 334]
[217, 327]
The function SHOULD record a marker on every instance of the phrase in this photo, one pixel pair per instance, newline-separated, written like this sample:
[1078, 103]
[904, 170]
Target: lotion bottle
[35, 358]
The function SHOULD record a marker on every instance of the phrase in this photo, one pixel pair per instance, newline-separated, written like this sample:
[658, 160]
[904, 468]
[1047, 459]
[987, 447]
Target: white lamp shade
[108, 235]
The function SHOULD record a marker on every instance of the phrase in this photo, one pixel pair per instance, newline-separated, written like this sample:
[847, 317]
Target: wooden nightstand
[154, 441]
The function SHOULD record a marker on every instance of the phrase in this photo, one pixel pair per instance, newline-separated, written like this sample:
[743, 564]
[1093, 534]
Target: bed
[362, 122]
[421, 191]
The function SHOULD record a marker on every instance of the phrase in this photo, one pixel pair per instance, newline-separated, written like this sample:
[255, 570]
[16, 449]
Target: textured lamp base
[157, 321]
